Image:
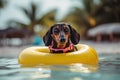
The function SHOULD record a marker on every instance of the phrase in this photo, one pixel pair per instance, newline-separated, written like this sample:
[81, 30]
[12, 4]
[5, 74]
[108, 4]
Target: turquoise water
[108, 69]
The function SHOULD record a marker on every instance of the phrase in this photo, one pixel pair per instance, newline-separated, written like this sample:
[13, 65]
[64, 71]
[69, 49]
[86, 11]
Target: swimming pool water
[108, 69]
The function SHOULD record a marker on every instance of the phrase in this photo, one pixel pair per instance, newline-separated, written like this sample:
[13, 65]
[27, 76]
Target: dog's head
[61, 33]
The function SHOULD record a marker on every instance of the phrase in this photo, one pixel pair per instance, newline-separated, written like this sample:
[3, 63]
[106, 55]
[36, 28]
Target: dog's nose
[62, 40]
[62, 37]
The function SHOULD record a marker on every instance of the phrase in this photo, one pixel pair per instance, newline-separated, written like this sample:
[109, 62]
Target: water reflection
[62, 71]
[110, 63]
[108, 70]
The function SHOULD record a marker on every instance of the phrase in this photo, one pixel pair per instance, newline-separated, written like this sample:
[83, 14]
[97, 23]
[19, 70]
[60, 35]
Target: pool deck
[101, 48]
[105, 47]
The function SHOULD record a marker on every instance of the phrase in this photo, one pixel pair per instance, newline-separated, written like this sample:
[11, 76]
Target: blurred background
[25, 22]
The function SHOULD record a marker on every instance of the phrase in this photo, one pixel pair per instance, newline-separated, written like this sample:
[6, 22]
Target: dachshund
[61, 38]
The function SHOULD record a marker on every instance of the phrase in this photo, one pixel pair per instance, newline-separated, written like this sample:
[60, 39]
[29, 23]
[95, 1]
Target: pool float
[41, 55]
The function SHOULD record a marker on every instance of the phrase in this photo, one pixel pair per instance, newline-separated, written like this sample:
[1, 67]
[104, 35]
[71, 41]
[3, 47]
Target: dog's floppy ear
[47, 38]
[75, 37]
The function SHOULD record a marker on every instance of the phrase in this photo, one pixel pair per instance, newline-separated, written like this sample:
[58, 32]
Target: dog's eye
[66, 30]
[56, 31]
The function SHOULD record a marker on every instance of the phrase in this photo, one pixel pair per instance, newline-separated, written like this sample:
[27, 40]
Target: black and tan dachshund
[61, 38]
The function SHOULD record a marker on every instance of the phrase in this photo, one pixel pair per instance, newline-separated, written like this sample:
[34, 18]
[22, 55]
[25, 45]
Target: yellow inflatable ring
[42, 55]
